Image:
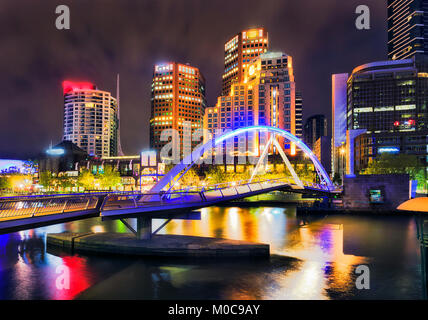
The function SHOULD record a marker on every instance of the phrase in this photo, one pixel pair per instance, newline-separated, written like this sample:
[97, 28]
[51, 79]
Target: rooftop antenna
[119, 145]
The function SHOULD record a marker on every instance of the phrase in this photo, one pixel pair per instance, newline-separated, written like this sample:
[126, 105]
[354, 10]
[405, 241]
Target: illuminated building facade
[239, 52]
[90, 118]
[266, 96]
[388, 96]
[62, 157]
[338, 121]
[407, 28]
[369, 145]
[299, 115]
[386, 104]
[178, 100]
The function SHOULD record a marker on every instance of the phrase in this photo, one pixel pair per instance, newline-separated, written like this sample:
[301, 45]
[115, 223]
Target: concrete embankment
[159, 245]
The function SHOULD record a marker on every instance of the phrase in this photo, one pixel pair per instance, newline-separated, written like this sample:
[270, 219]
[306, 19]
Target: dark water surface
[312, 258]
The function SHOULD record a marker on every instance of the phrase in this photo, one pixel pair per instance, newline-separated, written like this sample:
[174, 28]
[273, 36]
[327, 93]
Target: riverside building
[90, 118]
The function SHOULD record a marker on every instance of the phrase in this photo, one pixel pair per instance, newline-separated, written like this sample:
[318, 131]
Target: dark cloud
[129, 37]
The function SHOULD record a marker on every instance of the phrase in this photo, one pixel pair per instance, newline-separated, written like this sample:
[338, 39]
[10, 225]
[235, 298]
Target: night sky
[130, 36]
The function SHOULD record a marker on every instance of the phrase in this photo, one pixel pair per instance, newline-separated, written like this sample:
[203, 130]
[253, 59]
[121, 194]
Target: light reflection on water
[313, 258]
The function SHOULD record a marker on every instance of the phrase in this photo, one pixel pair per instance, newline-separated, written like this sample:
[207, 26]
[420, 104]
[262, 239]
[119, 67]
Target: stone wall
[375, 192]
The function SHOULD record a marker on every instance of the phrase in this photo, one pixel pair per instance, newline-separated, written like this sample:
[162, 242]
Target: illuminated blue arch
[190, 160]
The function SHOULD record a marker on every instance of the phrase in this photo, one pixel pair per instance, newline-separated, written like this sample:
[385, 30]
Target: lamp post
[342, 160]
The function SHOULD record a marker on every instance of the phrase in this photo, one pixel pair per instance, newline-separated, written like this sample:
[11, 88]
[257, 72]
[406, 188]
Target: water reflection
[313, 258]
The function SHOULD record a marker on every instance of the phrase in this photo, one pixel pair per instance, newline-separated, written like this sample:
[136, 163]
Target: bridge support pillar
[144, 228]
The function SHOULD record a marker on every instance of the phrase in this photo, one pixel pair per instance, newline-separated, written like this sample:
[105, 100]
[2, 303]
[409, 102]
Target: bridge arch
[186, 163]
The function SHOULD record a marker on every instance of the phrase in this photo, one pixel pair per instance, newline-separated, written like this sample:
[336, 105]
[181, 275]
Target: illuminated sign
[388, 150]
[252, 34]
[274, 103]
[55, 152]
[361, 110]
[69, 86]
[252, 70]
[406, 107]
[376, 196]
[163, 67]
[12, 166]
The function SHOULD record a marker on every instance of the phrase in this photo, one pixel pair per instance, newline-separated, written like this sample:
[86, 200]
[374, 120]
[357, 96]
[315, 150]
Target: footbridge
[164, 199]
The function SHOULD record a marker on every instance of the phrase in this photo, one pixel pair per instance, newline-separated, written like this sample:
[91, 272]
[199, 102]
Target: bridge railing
[31, 206]
[288, 180]
[231, 184]
[12, 208]
[117, 202]
[189, 195]
[63, 195]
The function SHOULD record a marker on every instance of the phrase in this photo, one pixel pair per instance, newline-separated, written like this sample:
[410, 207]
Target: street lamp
[342, 160]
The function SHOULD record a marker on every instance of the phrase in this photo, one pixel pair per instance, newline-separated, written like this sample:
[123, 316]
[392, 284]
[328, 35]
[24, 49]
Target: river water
[312, 258]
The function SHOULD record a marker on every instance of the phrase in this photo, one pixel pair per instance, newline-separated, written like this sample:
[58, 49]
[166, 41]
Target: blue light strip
[189, 161]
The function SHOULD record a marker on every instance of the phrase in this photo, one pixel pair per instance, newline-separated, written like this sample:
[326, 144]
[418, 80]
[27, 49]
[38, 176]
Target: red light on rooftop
[69, 86]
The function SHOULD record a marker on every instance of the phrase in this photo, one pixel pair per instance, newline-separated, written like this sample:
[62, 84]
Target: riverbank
[356, 212]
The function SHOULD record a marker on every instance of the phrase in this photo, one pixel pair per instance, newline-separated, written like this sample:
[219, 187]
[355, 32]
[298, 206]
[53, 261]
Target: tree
[191, 178]
[5, 183]
[65, 182]
[86, 179]
[110, 178]
[46, 179]
[337, 179]
[304, 171]
[215, 175]
[388, 163]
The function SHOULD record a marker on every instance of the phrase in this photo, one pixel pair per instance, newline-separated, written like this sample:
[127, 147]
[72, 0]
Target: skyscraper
[315, 127]
[178, 98]
[239, 51]
[265, 96]
[388, 96]
[90, 118]
[407, 28]
[388, 99]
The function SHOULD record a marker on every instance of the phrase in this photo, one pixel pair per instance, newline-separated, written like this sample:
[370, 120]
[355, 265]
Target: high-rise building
[369, 145]
[387, 111]
[338, 115]
[388, 96]
[407, 28]
[239, 52]
[90, 118]
[322, 149]
[178, 102]
[265, 96]
[315, 127]
[299, 115]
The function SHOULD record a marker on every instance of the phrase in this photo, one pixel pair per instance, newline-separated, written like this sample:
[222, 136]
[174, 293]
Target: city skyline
[315, 60]
[214, 151]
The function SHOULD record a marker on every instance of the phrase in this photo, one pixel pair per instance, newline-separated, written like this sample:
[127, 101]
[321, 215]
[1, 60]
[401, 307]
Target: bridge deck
[32, 211]
[194, 200]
